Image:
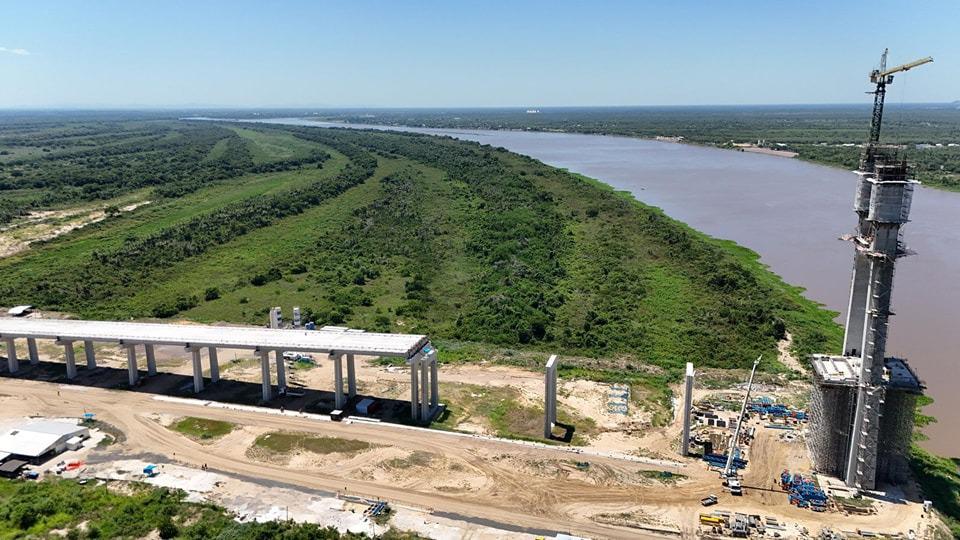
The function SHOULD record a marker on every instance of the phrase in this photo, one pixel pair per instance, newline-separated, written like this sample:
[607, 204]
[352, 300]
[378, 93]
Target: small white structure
[550, 397]
[19, 311]
[33, 441]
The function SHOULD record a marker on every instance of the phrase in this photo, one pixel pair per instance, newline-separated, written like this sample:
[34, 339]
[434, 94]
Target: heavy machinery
[882, 77]
[729, 474]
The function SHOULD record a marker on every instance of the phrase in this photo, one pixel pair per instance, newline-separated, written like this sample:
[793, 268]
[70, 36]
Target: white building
[37, 440]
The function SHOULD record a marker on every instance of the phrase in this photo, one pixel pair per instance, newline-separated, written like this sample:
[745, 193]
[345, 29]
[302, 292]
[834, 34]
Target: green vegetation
[476, 246]
[65, 509]
[938, 476]
[417, 458]
[202, 428]
[280, 442]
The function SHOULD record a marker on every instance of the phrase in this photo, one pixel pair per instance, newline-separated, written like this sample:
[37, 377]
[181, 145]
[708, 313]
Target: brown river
[791, 213]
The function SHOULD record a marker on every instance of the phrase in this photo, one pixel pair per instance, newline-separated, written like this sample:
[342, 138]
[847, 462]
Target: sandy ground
[49, 224]
[541, 487]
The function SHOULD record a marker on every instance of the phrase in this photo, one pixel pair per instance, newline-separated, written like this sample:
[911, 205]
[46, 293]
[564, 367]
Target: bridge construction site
[263, 418]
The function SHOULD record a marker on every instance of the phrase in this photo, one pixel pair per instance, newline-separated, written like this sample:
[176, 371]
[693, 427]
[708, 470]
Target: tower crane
[882, 77]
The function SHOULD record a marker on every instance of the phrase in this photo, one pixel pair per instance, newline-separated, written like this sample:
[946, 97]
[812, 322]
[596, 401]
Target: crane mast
[882, 77]
[728, 471]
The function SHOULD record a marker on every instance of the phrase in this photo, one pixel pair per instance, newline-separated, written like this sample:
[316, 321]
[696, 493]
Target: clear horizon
[392, 55]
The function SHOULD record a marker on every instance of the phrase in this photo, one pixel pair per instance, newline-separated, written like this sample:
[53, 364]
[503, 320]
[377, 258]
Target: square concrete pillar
[13, 363]
[69, 358]
[90, 354]
[265, 374]
[214, 365]
[414, 388]
[550, 397]
[424, 390]
[197, 370]
[281, 373]
[132, 374]
[434, 382]
[687, 410]
[351, 377]
[32, 351]
[338, 401]
[151, 359]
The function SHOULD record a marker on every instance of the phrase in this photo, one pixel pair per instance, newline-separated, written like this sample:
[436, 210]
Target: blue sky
[453, 53]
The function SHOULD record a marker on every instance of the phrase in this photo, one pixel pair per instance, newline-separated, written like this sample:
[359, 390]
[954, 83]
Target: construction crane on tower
[882, 77]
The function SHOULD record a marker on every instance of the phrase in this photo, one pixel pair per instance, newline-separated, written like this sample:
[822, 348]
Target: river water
[791, 213]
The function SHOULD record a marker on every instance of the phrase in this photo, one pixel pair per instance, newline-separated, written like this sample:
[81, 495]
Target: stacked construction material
[720, 460]
[804, 492]
[776, 410]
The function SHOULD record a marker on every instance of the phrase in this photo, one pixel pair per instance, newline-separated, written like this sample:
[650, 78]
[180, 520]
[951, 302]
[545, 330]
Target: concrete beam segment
[132, 374]
[425, 388]
[214, 365]
[265, 374]
[281, 372]
[351, 377]
[32, 351]
[414, 388]
[687, 410]
[857, 306]
[151, 359]
[434, 382]
[69, 358]
[13, 363]
[338, 380]
[90, 354]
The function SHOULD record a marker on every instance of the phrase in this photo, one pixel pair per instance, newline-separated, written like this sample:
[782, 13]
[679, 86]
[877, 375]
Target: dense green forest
[66, 509]
[818, 133]
[402, 232]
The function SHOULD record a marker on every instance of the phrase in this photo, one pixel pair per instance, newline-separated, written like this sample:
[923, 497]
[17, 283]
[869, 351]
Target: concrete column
[69, 358]
[197, 370]
[414, 388]
[214, 365]
[550, 397]
[687, 409]
[132, 374]
[32, 350]
[265, 374]
[425, 389]
[338, 380]
[857, 307]
[90, 354]
[434, 383]
[281, 373]
[151, 359]
[351, 377]
[13, 363]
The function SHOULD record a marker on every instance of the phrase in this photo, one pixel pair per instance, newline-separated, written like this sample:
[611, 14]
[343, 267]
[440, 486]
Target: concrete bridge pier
[69, 358]
[351, 377]
[338, 401]
[281, 373]
[550, 397]
[197, 370]
[434, 382]
[151, 359]
[414, 388]
[214, 365]
[32, 351]
[265, 373]
[90, 354]
[133, 376]
[13, 363]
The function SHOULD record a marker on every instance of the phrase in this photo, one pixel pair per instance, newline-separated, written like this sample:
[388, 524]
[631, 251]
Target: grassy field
[202, 428]
[282, 442]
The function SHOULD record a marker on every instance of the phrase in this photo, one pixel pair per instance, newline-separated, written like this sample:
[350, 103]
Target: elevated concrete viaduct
[335, 342]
